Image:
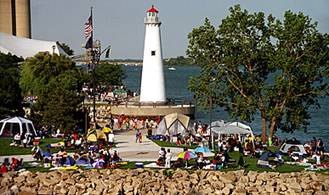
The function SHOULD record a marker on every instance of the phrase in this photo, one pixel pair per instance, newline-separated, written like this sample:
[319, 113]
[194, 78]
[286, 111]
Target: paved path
[127, 149]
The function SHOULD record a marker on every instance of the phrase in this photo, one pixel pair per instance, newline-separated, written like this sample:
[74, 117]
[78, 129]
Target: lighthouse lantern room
[152, 82]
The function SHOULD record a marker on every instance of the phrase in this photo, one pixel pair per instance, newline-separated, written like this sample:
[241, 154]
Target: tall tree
[66, 48]
[240, 59]
[63, 101]
[302, 60]
[10, 92]
[109, 74]
[38, 71]
[56, 82]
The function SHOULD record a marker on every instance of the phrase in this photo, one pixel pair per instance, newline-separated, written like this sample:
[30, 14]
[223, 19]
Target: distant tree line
[178, 61]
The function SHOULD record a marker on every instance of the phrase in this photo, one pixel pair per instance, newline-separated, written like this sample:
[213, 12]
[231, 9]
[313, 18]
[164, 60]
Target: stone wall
[143, 181]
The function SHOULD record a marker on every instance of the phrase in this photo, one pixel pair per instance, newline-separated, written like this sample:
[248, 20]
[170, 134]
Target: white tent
[295, 148]
[230, 128]
[174, 124]
[218, 123]
[10, 126]
[24, 47]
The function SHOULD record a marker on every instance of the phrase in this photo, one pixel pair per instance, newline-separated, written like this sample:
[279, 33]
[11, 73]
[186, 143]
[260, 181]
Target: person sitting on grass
[47, 156]
[62, 154]
[37, 153]
[3, 169]
[17, 139]
[317, 157]
[14, 164]
[162, 157]
[179, 163]
[219, 160]
[115, 157]
[241, 152]
[199, 162]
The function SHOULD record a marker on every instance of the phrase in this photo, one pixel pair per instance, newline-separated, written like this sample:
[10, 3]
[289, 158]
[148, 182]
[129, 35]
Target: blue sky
[120, 22]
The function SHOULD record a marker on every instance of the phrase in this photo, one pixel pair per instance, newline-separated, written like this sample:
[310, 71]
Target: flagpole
[93, 66]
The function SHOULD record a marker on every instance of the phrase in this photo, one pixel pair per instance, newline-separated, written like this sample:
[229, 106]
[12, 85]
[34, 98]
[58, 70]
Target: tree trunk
[273, 127]
[263, 116]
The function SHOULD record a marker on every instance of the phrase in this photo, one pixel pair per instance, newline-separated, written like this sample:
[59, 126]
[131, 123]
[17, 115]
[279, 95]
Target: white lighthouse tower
[152, 84]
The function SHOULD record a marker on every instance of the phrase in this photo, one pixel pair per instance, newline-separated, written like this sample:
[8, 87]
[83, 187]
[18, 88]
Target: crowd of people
[23, 140]
[112, 94]
[94, 157]
[14, 165]
[132, 123]
[100, 155]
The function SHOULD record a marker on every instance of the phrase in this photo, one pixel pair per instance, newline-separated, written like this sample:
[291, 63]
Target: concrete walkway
[127, 149]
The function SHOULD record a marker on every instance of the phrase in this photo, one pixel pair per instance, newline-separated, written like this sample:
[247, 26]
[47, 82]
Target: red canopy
[153, 9]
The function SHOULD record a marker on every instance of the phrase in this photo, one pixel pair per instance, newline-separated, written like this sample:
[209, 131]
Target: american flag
[89, 32]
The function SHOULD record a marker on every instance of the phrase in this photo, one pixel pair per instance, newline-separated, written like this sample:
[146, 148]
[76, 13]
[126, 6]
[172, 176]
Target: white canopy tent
[10, 126]
[24, 47]
[230, 128]
[174, 124]
[295, 148]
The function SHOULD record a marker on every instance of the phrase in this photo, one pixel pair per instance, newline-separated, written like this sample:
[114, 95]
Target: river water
[176, 87]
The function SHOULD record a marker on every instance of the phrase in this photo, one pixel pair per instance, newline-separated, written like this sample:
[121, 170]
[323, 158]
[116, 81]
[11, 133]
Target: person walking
[168, 158]
[140, 136]
[137, 135]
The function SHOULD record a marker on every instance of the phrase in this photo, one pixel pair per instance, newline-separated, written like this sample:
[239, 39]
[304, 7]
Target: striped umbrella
[185, 155]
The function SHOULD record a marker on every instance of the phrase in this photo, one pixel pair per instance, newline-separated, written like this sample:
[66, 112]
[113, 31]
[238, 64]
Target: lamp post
[95, 58]
[53, 47]
[93, 53]
[210, 121]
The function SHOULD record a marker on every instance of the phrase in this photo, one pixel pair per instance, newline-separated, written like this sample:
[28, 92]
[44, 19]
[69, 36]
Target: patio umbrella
[202, 150]
[185, 155]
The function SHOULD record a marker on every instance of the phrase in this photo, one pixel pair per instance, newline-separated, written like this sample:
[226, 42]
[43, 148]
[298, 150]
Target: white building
[153, 83]
[24, 47]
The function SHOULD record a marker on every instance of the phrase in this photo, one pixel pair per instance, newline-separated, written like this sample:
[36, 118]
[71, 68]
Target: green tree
[240, 59]
[109, 74]
[63, 100]
[66, 48]
[36, 72]
[302, 61]
[10, 92]
[56, 83]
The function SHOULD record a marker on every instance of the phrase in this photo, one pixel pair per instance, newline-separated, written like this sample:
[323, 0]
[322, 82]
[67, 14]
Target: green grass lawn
[31, 168]
[173, 145]
[250, 162]
[6, 149]
[251, 165]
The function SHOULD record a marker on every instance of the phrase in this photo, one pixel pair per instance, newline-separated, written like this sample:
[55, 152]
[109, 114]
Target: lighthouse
[152, 84]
